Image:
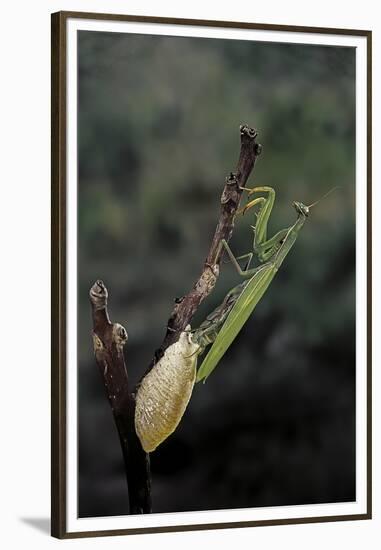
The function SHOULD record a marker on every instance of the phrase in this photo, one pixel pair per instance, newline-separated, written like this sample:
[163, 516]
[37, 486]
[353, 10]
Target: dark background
[158, 132]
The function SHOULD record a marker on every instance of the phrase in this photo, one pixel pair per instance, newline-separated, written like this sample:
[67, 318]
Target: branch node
[231, 191]
[119, 336]
[98, 345]
[246, 130]
[98, 295]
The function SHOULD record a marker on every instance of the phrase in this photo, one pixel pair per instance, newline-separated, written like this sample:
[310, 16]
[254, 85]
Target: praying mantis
[271, 254]
[165, 391]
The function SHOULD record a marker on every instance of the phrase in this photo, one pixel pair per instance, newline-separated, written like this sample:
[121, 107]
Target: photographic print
[211, 191]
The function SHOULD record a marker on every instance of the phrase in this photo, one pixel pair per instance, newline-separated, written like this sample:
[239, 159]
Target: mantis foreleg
[264, 248]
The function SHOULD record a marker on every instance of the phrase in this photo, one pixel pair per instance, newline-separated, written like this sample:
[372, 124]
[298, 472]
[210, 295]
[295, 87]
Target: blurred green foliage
[158, 132]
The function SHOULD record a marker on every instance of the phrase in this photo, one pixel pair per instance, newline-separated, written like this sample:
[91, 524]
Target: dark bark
[109, 340]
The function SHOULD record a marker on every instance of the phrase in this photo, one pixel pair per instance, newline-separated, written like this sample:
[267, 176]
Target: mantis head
[301, 208]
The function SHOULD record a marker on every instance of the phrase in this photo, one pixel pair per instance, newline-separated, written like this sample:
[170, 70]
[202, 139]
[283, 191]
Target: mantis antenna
[324, 196]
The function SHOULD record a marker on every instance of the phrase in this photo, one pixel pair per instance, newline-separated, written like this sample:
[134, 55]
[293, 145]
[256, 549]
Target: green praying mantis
[224, 324]
[165, 391]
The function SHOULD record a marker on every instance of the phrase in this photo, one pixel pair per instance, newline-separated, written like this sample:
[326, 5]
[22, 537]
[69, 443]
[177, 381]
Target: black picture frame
[59, 266]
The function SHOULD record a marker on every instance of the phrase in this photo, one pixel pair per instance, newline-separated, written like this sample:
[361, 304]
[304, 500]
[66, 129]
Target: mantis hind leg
[263, 214]
[249, 257]
[208, 331]
[243, 272]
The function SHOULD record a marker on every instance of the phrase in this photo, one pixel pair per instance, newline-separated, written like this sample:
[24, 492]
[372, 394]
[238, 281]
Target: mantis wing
[242, 309]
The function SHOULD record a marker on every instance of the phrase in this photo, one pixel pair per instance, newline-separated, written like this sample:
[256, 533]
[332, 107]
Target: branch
[109, 340]
[186, 307]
